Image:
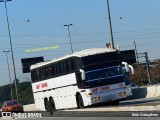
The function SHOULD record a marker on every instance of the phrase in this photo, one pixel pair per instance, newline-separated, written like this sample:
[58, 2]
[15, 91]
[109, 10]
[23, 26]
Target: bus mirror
[83, 75]
[126, 66]
[132, 69]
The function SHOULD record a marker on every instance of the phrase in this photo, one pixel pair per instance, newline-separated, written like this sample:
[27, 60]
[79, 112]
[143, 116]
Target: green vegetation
[142, 70]
[24, 90]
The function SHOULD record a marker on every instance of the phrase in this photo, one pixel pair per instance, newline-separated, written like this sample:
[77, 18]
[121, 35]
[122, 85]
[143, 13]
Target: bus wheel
[46, 103]
[52, 107]
[80, 103]
[115, 103]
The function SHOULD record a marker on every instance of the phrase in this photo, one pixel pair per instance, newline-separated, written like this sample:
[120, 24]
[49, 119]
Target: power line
[142, 44]
[78, 19]
[136, 38]
[153, 50]
[52, 35]
[60, 44]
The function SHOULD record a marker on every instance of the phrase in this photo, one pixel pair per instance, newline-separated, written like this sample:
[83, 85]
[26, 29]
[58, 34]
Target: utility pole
[138, 62]
[10, 40]
[148, 68]
[110, 24]
[69, 36]
[9, 73]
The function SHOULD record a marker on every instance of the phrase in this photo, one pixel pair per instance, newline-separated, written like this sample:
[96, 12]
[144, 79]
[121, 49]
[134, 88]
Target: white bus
[77, 80]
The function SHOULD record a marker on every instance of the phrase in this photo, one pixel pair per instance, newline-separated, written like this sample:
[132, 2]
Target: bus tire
[80, 103]
[115, 103]
[46, 104]
[52, 107]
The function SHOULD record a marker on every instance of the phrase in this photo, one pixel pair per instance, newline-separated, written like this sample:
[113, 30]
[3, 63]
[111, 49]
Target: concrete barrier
[30, 107]
[146, 92]
[153, 91]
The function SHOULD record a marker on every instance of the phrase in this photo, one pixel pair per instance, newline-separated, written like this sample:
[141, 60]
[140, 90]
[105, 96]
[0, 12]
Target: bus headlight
[121, 93]
[95, 98]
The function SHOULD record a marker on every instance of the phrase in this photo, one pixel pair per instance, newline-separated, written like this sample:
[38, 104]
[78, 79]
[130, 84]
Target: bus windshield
[102, 69]
[104, 76]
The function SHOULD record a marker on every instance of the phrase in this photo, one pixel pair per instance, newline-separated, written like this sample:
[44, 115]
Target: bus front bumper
[107, 98]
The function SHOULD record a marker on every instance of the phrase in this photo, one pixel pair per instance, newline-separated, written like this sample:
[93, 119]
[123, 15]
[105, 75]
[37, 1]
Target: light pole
[9, 72]
[110, 24]
[138, 62]
[10, 40]
[148, 67]
[69, 35]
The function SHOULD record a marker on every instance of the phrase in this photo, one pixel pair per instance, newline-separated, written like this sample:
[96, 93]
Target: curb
[126, 108]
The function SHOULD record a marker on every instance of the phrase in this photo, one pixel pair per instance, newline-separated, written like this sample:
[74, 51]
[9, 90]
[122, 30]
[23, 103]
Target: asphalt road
[102, 115]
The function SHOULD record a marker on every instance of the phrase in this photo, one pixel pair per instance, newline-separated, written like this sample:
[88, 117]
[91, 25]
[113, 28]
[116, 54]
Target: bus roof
[81, 53]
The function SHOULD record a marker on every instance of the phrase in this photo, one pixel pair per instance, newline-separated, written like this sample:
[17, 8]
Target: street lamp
[110, 24]
[9, 72]
[69, 35]
[10, 40]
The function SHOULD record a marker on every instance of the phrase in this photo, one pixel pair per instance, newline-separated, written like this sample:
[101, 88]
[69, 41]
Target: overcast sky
[39, 23]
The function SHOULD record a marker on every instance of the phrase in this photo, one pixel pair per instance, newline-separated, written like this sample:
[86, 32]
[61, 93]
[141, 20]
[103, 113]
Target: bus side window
[53, 70]
[56, 70]
[63, 67]
[60, 68]
[34, 75]
[46, 72]
[41, 74]
[49, 69]
[78, 63]
[71, 65]
[66, 66]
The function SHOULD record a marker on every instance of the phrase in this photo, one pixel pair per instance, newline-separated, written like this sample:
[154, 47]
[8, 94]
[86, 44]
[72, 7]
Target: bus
[77, 80]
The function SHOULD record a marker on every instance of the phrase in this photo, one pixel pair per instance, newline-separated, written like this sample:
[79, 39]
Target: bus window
[71, 65]
[34, 75]
[46, 72]
[55, 70]
[41, 74]
[49, 69]
[60, 67]
[66, 67]
[63, 67]
[78, 63]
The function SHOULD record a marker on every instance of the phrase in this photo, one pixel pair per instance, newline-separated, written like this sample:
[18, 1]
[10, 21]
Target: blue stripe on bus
[95, 79]
[101, 69]
[104, 78]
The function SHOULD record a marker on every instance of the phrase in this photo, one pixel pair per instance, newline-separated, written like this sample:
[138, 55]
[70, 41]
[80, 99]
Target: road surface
[101, 115]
